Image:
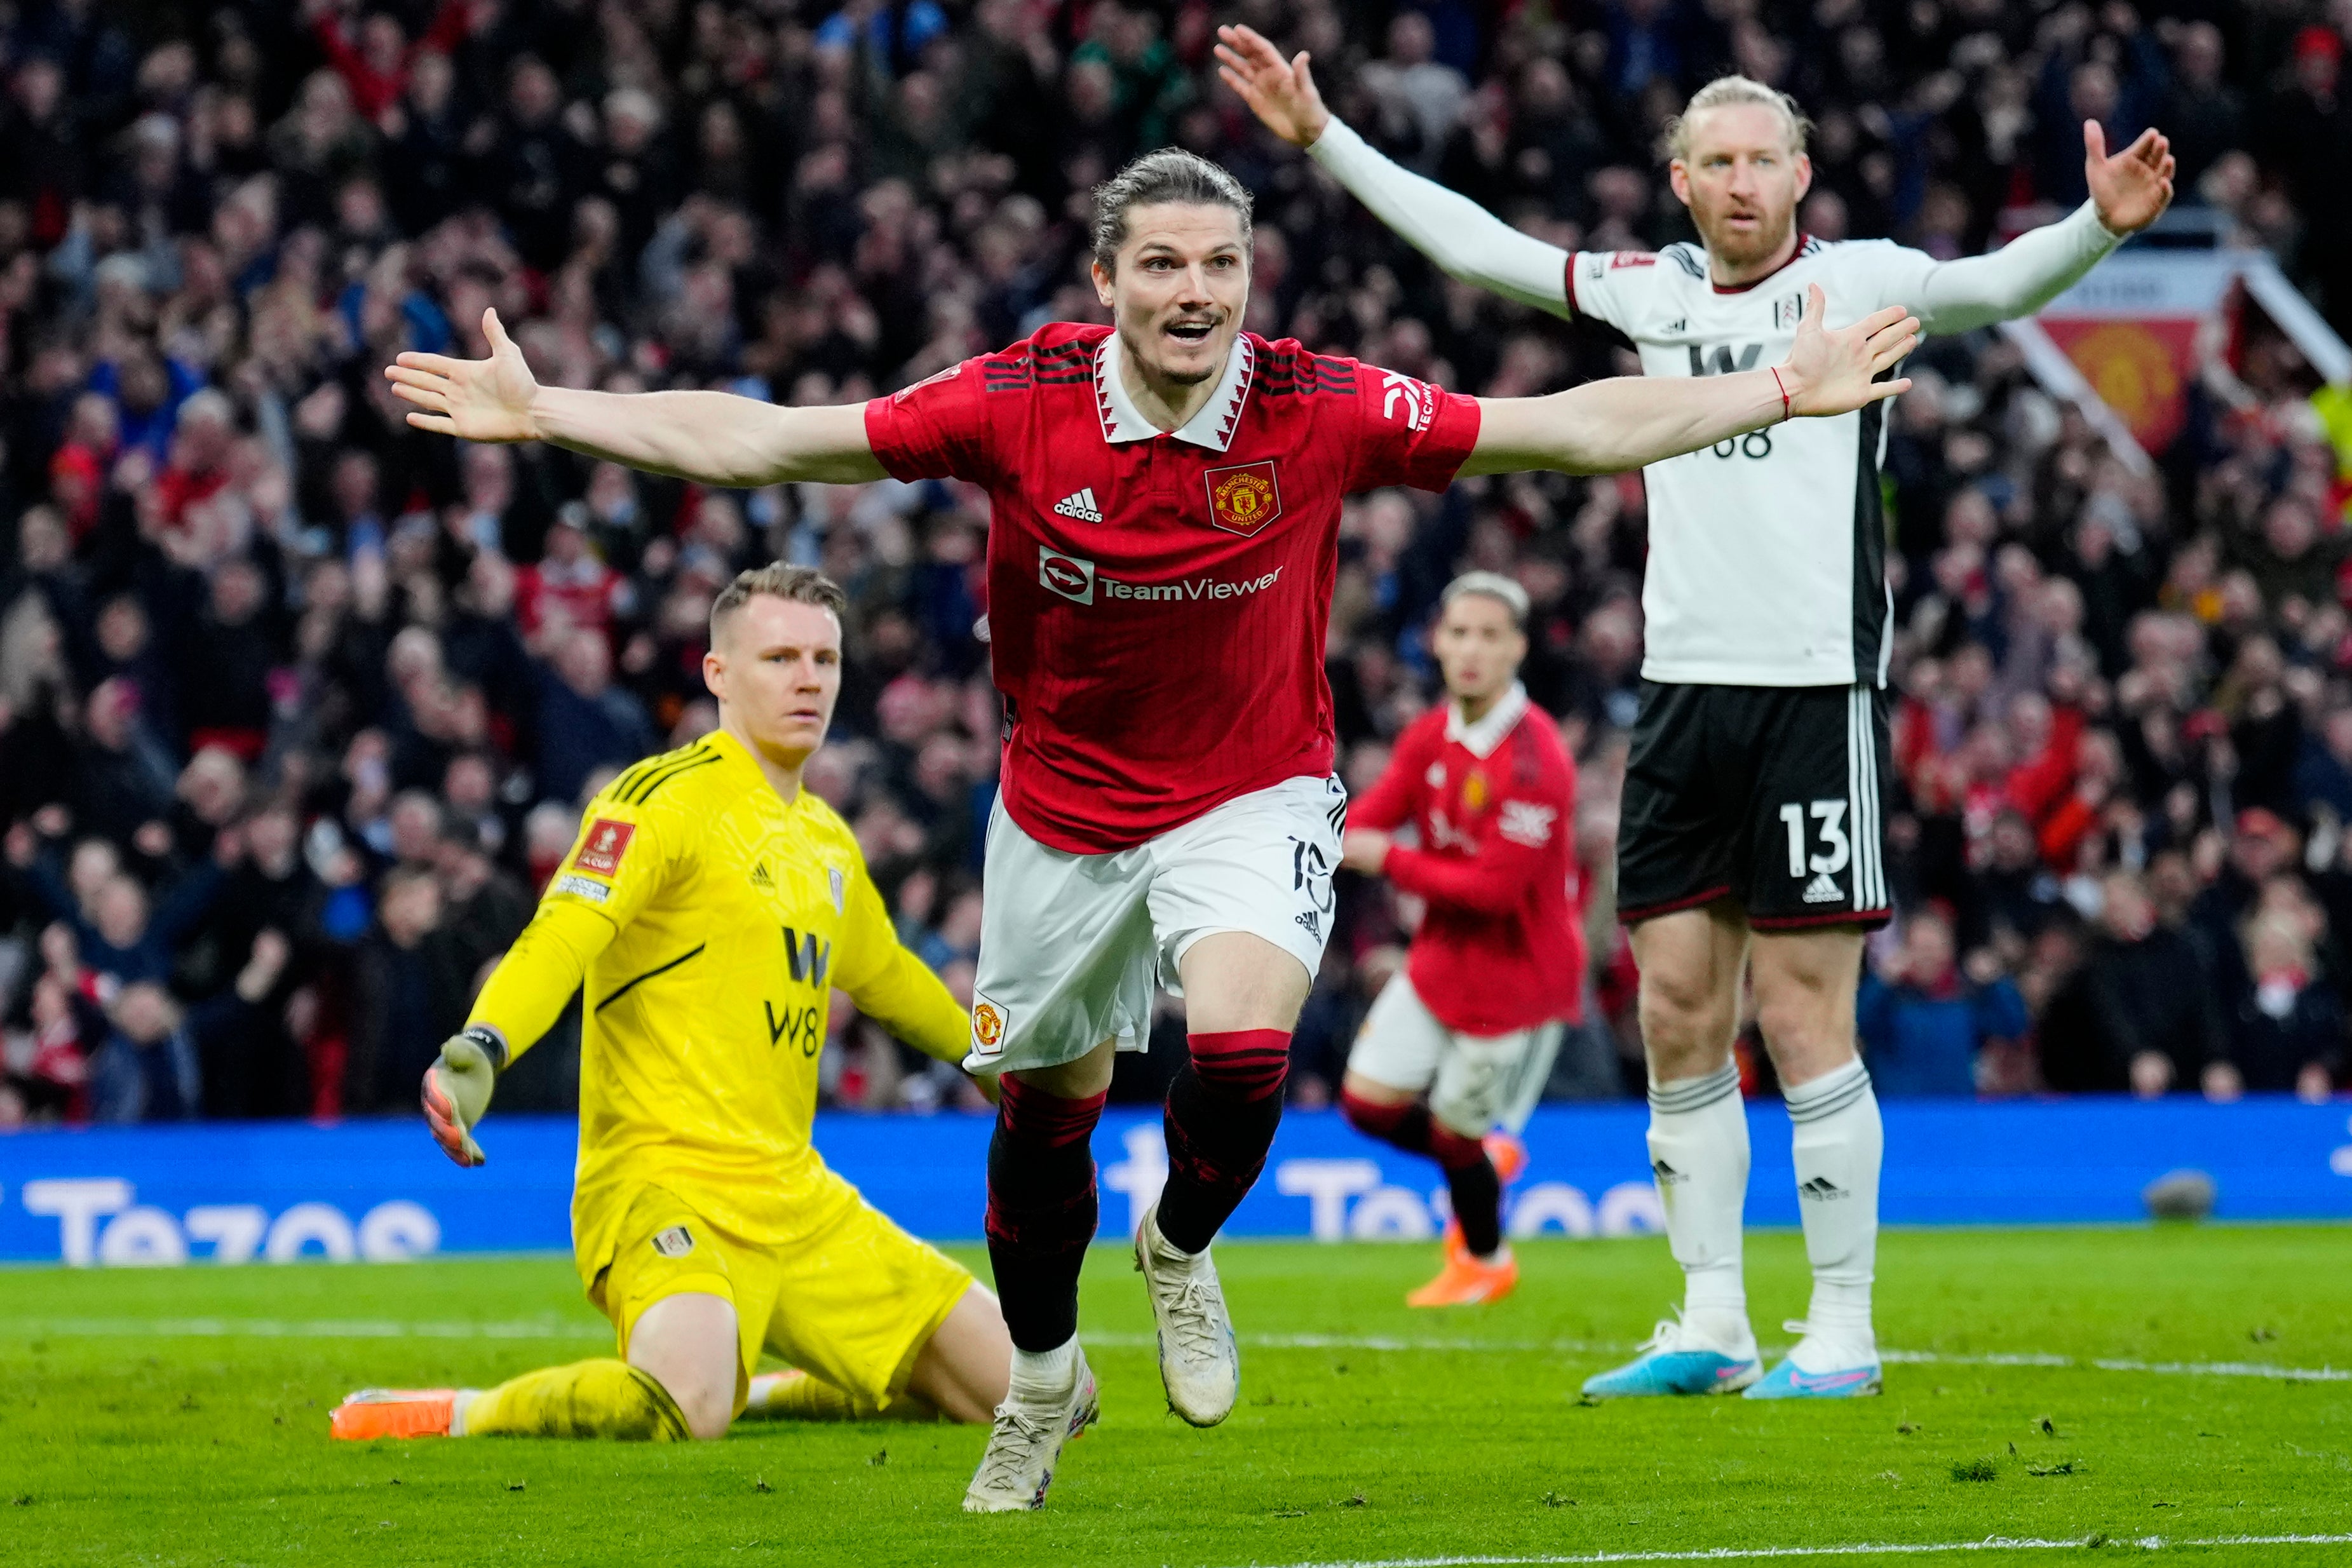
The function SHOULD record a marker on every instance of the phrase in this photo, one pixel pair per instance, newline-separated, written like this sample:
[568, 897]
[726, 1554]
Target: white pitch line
[1866, 1549]
[543, 1329]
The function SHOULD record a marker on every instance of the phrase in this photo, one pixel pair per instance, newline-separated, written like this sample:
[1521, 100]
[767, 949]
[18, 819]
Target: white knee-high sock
[1698, 1153]
[1839, 1142]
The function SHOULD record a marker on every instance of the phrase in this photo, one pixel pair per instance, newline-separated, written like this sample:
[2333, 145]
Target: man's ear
[1804, 175]
[1678, 177]
[714, 673]
[1102, 277]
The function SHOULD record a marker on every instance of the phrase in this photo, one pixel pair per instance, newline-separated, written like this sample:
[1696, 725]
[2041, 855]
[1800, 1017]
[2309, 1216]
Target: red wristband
[1783, 391]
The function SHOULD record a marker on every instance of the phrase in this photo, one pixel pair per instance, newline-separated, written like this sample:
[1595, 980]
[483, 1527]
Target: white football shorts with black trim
[1074, 948]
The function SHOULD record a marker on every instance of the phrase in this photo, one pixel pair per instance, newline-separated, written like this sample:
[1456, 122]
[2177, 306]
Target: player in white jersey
[1751, 836]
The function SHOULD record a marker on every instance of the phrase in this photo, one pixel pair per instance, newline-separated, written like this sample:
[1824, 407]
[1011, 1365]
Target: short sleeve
[1408, 432]
[936, 430]
[1613, 286]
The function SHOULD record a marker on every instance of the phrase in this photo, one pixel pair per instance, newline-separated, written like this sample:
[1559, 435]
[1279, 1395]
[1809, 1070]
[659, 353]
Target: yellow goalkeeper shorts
[853, 1302]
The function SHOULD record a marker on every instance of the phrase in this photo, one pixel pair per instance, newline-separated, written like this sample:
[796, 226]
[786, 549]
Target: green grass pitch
[180, 1417]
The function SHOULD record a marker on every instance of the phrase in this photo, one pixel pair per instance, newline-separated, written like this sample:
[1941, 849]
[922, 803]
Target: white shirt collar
[1481, 739]
[1211, 427]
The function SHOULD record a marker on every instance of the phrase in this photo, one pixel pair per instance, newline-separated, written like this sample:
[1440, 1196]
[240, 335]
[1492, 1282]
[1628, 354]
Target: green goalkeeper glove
[457, 1090]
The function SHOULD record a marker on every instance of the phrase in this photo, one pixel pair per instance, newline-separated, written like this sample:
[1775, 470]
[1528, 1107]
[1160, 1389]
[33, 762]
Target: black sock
[1216, 1147]
[1477, 1204]
[1041, 1212]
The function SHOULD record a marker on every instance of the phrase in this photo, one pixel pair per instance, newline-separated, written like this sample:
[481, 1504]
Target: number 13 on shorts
[1828, 824]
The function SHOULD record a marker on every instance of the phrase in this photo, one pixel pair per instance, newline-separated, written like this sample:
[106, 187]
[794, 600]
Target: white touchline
[550, 1329]
[1865, 1549]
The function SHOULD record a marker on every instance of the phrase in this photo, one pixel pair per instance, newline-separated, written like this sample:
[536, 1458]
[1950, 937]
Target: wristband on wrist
[1783, 391]
[492, 1047]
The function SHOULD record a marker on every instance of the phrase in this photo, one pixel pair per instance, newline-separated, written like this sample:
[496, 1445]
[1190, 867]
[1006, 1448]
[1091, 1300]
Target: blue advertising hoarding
[379, 1190]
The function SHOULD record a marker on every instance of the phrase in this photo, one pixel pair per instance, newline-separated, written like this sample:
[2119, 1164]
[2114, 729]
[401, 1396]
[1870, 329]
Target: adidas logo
[1667, 1175]
[1312, 922]
[1821, 1190]
[1824, 890]
[760, 877]
[1080, 505]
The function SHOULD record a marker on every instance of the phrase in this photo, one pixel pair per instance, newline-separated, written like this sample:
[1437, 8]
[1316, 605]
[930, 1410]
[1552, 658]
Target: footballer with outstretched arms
[707, 911]
[1455, 1048]
[1165, 498]
[1751, 837]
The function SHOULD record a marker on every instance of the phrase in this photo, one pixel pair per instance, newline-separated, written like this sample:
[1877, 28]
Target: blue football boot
[1679, 1360]
[1849, 1365]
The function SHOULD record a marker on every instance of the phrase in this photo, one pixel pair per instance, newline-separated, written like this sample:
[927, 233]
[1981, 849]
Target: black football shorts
[1768, 795]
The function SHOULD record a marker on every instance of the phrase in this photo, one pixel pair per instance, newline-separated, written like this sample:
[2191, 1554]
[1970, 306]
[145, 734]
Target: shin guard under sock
[1042, 1210]
[1222, 1108]
[602, 1398]
[1470, 1175]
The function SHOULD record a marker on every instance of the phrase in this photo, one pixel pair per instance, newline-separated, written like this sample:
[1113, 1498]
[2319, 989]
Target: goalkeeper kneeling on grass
[708, 909]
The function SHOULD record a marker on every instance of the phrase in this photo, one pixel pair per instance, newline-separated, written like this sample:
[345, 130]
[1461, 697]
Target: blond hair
[800, 585]
[1727, 90]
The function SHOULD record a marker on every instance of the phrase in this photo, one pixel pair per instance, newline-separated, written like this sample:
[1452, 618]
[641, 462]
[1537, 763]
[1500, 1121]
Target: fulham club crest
[1244, 500]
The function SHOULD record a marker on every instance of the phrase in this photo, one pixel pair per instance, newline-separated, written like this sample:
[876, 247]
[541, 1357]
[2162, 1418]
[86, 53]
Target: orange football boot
[1465, 1281]
[373, 1412]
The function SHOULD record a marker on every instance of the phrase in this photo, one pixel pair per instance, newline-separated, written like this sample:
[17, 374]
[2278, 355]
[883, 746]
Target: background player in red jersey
[1164, 518]
[1460, 1041]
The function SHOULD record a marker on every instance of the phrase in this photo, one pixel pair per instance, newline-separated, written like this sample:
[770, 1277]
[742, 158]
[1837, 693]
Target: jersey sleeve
[1388, 805]
[889, 983]
[1614, 287]
[936, 430]
[1408, 432]
[1514, 848]
[615, 865]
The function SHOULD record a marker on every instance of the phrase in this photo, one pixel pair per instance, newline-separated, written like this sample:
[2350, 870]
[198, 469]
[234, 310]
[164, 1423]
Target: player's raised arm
[1627, 422]
[1464, 238]
[711, 437]
[2129, 190]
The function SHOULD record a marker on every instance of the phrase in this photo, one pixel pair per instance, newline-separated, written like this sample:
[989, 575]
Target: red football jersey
[1501, 947]
[1157, 601]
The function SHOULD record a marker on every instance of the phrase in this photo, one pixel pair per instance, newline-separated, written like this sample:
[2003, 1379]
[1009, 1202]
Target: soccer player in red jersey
[1462, 1038]
[1164, 517]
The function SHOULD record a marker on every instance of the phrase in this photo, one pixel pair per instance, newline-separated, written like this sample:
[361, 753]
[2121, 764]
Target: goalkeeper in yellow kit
[708, 907]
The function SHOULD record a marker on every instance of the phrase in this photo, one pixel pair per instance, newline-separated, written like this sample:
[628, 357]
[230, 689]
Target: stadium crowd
[298, 706]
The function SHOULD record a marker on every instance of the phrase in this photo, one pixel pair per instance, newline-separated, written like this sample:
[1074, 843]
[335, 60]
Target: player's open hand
[472, 399]
[2133, 188]
[456, 1093]
[1280, 92]
[1835, 372]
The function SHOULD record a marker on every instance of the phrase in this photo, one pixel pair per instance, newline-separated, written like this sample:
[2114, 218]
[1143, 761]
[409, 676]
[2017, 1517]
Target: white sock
[457, 1411]
[1698, 1153]
[1838, 1143]
[1044, 1377]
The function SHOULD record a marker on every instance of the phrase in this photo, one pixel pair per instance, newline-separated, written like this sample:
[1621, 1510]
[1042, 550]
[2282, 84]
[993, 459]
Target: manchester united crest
[1244, 500]
[987, 1027]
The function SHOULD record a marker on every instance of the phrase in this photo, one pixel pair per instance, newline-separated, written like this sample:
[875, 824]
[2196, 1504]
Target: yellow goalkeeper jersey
[708, 921]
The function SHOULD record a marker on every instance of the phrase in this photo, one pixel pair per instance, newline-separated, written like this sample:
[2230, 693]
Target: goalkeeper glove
[457, 1090]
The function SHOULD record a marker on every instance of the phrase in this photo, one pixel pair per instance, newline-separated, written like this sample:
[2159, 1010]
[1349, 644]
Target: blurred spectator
[412, 987]
[2152, 1022]
[1923, 1022]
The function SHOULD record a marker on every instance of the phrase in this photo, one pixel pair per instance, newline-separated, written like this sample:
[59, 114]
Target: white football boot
[1025, 1442]
[1198, 1361]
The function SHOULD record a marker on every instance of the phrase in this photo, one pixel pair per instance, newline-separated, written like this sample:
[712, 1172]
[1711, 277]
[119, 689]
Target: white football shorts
[1475, 1082]
[1074, 949]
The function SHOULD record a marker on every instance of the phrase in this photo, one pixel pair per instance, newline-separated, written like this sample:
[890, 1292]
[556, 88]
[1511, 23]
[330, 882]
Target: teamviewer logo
[1067, 575]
